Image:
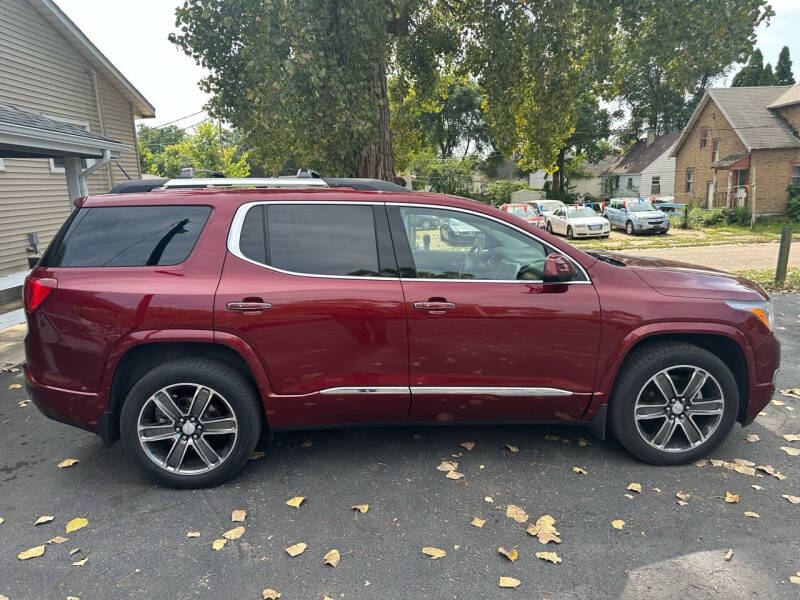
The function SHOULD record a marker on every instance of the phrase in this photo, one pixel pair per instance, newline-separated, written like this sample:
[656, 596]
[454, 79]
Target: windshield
[520, 210]
[642, 206]
[583, 211]
[551, 205]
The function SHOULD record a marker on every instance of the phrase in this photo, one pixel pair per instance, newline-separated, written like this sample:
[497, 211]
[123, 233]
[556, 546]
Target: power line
[179, 119]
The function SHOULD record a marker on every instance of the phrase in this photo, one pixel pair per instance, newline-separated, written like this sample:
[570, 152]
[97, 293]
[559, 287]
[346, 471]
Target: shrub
[499, 192]
[700, 217]
[793, 208]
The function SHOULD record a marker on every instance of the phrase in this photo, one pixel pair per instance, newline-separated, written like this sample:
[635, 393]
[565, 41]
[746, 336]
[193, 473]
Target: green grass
[766, 279]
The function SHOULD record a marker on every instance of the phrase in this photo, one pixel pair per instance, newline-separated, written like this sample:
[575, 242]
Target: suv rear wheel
[191, 423]
[673, 403]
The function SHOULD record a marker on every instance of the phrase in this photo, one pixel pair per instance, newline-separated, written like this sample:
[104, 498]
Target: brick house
[741, 146]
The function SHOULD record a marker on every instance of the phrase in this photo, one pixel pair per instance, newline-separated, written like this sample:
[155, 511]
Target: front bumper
[651, 227]
[80, 409]
[591, 233]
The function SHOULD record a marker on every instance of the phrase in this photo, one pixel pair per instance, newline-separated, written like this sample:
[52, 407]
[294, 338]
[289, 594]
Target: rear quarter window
[127, 236]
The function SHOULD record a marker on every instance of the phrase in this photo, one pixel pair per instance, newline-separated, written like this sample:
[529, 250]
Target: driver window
[466, 246]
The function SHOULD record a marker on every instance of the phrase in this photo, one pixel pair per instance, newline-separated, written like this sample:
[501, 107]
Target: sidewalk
[11, 351]
[733, 257]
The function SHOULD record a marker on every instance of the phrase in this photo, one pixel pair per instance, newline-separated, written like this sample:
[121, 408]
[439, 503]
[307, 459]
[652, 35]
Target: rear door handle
[249, 306]
[435, 308]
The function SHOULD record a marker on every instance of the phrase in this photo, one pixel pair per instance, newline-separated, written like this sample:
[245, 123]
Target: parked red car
[188, 322]
[528, 212]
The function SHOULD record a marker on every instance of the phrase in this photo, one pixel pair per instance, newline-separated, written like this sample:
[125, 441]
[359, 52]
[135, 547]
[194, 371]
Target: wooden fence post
[783, 256]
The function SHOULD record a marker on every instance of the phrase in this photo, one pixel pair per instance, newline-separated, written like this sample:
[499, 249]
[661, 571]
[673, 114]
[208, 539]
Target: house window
[714, 150]
[703, 138]
[630, 183]
[795, 179]
[690, 181]
[741, 178]
[57, 164]
[655, 185]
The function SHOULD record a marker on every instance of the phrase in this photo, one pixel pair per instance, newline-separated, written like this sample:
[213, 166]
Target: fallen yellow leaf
[778, 403]
[681, 502]
[770, 470]
[362, 508]
[44, 519]
[583, 442]
[238, 515]
[477, 522]
[296, 501]
[544, 530]
[34, 552]
[549, 556]
[791, 392]
[751, 514]
[270, 594]
[516, 513]
[234, 534]
[434, 553]
[682, 495]
[509, 582]
[81, 562]
[307, 444]
[728, 554]
[511, 555]
[488, 499]
[792, 499]
[257, 455]
[635, 487]
[297, 549]
[701, 463]
[193, 534]
[579, 471]
[791, 437]
[219, 544]
[731, 498]
[795, 578]
[76, 523]
[757, 487]
[57, 540]
[14, 386]
[332, 558]
[68, 462]
[753, 438]
[74, 551]
[791, 451]
[454, 475]
[512, 449]
[468, 445]
[447, 465]
[1, 520]
[618, 524]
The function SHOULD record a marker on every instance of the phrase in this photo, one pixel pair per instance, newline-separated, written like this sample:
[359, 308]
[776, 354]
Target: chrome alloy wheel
[187, 428]
[679, 408]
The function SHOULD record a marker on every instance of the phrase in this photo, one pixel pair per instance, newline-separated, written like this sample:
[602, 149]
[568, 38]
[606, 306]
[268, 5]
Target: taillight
[36, 291]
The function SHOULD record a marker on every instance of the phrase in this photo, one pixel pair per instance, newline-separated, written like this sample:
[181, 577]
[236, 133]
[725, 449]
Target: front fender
[607, 374]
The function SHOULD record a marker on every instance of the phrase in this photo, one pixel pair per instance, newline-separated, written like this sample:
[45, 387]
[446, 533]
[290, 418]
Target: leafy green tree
[151, 142]
[307, 79]
[443, 175]
[750, 75]
[767, 76]
[669, 51]
[783, 68]
[499, 192]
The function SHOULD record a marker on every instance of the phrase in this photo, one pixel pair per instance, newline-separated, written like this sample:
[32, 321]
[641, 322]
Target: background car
[456, 232]
[548, 207]
[424, 221]
[577, 221]
[636, 216]
[529, 212]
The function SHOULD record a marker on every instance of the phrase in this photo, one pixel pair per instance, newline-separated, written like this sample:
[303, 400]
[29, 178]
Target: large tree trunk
[558, 176]
[376, 160]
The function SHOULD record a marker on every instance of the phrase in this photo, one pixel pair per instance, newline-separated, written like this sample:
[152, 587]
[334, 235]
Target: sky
[139, 48]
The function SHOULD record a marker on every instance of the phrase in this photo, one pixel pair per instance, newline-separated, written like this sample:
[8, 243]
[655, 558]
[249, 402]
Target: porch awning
[732, 162]
[25, 134]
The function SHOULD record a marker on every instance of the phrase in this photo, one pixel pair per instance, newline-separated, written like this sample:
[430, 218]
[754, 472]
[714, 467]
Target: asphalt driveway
[136, 544]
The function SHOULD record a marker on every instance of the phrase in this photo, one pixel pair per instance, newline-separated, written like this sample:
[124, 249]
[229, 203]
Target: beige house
[66, 127]
[740, 148]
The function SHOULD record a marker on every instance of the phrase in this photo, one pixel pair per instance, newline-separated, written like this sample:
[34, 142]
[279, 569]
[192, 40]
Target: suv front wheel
[672, 403]
[191, 423]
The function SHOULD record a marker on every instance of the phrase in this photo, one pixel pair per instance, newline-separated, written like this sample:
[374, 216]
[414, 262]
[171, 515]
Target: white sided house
[646, 170]
[66, 129]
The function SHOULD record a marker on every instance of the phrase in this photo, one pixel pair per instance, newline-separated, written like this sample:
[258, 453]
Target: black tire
[629, 228]
[237, 391]
[569, 232]
[549, 228]
[643, 364]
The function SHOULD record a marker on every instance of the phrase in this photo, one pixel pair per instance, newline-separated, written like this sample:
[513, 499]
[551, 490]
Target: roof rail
[246, 182]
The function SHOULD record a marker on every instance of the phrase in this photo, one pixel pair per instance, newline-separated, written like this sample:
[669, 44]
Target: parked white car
[580, 221]
[547, 207]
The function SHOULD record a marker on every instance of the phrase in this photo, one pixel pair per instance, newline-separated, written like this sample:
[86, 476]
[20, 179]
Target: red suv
[188, 322]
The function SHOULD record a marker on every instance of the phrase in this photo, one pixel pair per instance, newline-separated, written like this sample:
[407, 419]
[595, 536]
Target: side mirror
[558, 269]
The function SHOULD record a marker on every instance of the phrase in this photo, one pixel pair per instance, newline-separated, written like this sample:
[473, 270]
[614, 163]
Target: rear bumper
[81, 409]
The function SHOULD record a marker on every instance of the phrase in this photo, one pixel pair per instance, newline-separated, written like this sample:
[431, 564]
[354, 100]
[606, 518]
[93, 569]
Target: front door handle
[249, 306]
[434, 308]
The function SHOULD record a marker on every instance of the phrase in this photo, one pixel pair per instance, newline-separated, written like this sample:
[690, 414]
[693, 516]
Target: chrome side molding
[425, 390]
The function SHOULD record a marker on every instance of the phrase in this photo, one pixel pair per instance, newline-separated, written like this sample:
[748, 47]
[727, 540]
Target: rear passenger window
[128, 236]
[318, 239]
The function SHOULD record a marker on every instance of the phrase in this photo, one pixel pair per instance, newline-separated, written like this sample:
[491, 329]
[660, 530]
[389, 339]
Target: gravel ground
[136, 536]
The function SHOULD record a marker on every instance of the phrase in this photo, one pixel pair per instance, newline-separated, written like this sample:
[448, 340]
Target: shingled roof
[751, 113]
[640, 156]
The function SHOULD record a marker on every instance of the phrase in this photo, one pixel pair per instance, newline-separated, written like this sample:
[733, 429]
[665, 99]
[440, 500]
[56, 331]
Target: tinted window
[128, 236]
[253, 242]
[323, 239]
[467, 246]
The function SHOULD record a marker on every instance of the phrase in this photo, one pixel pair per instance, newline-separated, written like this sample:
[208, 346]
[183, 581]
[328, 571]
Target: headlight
[762, 309]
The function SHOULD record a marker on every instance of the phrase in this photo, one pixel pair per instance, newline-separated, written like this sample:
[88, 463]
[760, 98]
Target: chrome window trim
[234, 233]
[446, 390]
